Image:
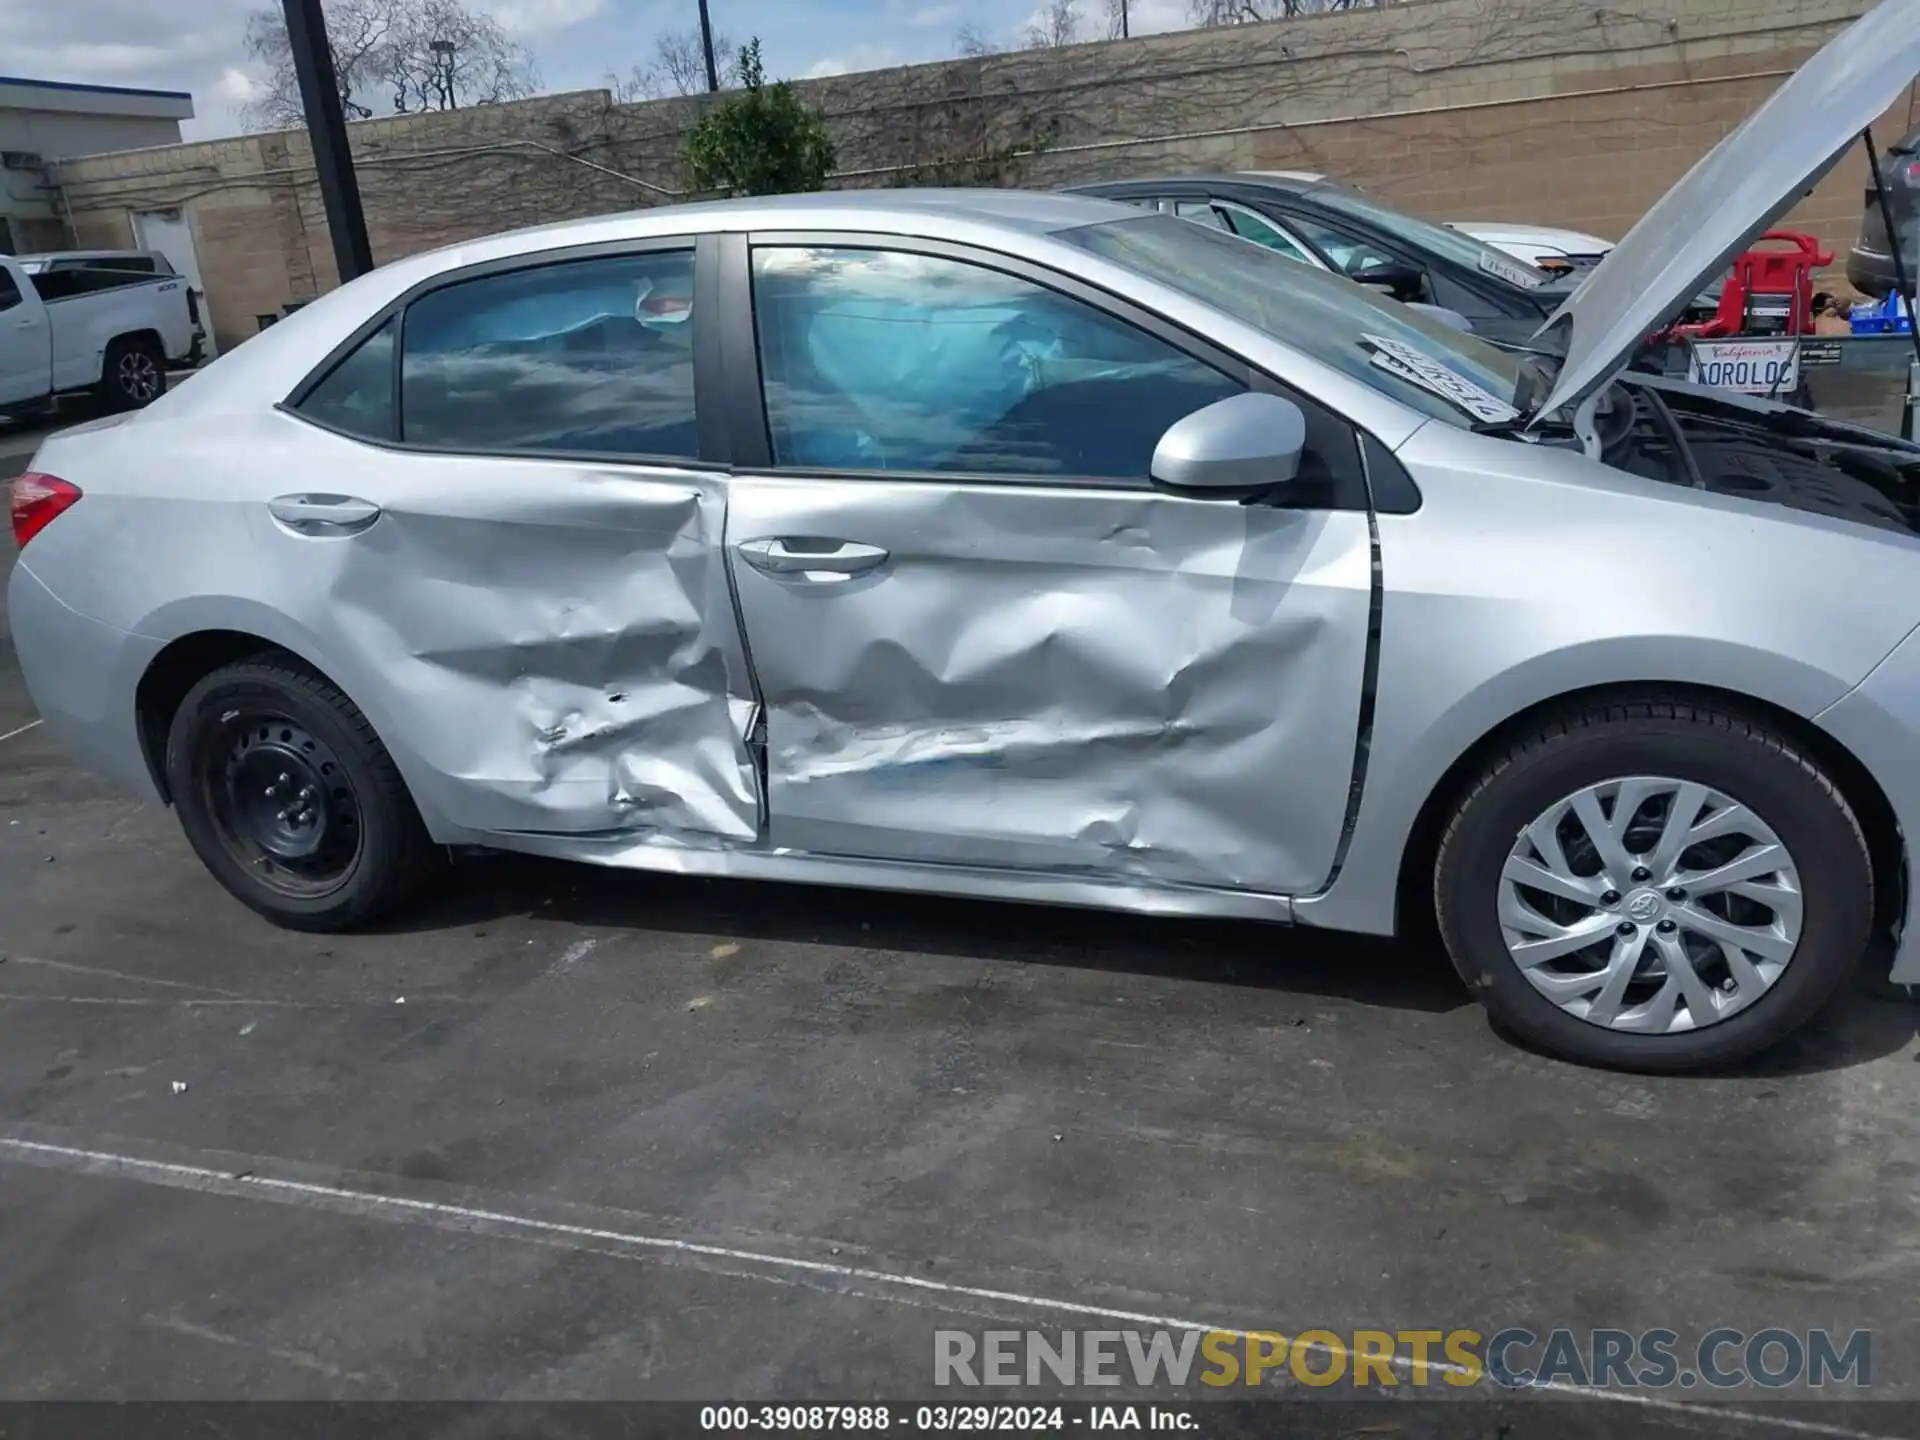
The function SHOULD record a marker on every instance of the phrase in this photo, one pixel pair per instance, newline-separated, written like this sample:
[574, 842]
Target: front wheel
[290, 799]
[1655, 885]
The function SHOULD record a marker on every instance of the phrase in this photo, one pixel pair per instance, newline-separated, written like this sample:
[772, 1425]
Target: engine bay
[1784, 457]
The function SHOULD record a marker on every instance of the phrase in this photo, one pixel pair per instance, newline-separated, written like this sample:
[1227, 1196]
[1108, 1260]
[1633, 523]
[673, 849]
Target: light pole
[706, 45]
[443, 71]
[327, 128]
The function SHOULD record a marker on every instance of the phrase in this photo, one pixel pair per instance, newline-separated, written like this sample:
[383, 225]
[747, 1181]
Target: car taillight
[38, 500]
[1913, 171]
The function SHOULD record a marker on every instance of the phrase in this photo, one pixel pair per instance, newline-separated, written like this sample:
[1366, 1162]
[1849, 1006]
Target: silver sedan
[1020, 546]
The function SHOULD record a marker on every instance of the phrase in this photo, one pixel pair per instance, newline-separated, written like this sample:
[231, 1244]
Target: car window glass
[357, 394]
[1201, 212]
[1323, 315]
[1249, 226]
[591, 356]
[58, 284]
[1348, 253]
[883, 360]
[1452, 295]
[9, 292]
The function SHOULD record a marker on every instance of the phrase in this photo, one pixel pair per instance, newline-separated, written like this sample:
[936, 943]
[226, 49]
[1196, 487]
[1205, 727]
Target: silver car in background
[1027, 546]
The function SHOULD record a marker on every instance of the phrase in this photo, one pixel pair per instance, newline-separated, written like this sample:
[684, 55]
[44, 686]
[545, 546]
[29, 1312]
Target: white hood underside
[1736, 191]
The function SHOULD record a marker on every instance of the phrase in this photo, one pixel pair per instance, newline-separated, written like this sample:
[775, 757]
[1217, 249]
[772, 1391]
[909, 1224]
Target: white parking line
[31, 724]
[408, 1210]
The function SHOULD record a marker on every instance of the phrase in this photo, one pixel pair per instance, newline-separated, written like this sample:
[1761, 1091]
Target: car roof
[904, 210]
[1293, 181]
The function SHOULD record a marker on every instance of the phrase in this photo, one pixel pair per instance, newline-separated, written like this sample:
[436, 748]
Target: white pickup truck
[108, 331]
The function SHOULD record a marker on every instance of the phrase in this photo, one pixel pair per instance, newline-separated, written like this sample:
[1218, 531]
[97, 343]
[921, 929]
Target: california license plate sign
[1753, 367]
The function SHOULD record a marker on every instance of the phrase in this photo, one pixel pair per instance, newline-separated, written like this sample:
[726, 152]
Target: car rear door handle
[819, 560]
[323, 514]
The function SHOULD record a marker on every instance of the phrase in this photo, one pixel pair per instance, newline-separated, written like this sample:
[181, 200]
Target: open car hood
[1736, 191]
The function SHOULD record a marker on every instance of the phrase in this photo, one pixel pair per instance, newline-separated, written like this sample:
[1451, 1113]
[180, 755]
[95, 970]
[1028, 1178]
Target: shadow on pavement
[1367, 971]
[1867, 1021]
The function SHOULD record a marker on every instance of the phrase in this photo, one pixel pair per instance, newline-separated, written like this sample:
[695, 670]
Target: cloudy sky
[198, 47]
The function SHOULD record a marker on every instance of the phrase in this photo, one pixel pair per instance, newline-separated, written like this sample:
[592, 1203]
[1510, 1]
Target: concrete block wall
[1557, 112]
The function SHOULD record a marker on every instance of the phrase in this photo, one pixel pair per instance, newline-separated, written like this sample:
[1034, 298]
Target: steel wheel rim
[282, 804]
[1650, 905]
[139, 377]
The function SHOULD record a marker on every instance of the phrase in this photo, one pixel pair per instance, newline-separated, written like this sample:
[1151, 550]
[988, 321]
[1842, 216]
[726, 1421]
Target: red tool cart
[1751, 342]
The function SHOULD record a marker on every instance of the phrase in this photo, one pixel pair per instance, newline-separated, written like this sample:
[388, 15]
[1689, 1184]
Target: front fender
[1530, 574]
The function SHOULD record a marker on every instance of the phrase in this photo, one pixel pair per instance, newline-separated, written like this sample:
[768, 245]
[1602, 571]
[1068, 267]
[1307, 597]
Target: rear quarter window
[356, 396]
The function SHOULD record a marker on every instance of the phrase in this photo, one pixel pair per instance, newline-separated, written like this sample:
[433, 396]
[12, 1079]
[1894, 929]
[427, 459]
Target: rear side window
[357, 394]
[1249, 226]
[9, 292]
[586, 356]
[1201, 212]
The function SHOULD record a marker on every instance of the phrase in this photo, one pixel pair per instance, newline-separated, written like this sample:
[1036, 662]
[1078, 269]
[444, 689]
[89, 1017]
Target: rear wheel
[290, 799]
[133, 373]
[1656, 885]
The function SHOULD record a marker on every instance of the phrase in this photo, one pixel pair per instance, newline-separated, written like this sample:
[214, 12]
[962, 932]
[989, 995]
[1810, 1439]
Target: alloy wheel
[1650, 904]
[139, 377]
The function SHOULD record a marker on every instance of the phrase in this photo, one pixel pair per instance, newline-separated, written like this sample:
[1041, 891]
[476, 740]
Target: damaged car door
[517, 544]
[981, 636]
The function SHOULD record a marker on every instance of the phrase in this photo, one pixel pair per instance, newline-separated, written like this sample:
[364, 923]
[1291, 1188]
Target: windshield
[1361, 333]
[1448, 244]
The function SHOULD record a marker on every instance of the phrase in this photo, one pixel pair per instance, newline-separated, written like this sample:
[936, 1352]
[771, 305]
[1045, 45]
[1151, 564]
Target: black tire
[133, 373]
[378, 852]
[1740, 756]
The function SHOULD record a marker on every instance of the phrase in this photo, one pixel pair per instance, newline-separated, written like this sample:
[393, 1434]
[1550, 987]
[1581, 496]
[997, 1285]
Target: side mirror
[1402, 282]
[1232, 449]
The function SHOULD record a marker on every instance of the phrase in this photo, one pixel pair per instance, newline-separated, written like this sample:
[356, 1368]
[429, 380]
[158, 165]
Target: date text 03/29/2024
[942, 1419]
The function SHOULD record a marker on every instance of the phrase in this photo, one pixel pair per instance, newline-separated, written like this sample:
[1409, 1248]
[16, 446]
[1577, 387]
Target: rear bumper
[82, 676]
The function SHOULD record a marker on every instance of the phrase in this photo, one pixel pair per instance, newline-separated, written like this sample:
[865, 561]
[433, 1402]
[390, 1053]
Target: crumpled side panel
[558, 642]
[1082, 681]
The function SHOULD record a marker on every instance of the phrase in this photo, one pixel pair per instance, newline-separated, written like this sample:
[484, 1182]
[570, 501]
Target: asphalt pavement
[571, 1133]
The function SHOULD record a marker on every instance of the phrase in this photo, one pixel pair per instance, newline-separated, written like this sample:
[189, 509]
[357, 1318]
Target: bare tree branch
[410, 54]
[971, 44]
[678, 67]
[1250, 12]
[1057, 24]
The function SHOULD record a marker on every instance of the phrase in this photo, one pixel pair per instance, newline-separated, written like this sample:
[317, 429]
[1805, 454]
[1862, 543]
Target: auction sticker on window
[1418, 368]
[1511, 271]
[1753, 367]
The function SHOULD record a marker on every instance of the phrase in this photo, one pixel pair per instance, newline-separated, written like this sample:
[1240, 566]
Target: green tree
[762, 141]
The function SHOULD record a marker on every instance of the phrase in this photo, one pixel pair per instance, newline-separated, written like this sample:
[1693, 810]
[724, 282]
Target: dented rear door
[981, 637]
[523, 566]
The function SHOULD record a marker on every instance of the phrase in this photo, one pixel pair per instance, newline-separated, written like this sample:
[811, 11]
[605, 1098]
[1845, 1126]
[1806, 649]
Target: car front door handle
[814, 560]
[321, 515]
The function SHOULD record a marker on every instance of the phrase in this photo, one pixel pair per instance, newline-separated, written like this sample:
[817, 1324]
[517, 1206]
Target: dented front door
[1104, 682]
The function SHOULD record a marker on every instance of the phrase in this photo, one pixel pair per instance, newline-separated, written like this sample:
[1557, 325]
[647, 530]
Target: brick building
[1559, 112]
